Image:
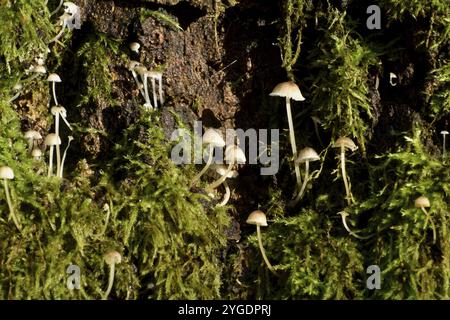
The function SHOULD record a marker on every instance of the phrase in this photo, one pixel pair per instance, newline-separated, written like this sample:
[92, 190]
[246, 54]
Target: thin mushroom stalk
[206, 167]
[54, 93]
[219, 181]
[344, 177]
[263, 251]
[50, 163]
[160, 88]
[302, 189]
[292, 139]
[227, 195]
[110, 281]
[111, 258]
[58, 149]
[61, 32]
[344, 222]
[10, 206]
[64, 157]
[155, 98]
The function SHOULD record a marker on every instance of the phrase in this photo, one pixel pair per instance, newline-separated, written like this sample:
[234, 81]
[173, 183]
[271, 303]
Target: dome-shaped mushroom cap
[36, 153]
[60, 110]
[212, 137]
[234, 154]
[444, 132]
[53, 77]
[39, 69]
[422, 202]
[6, 173]
[288, 89]
[221, 169]
[32, 134]
[307, 154]
[134, 46]
[346, 143]
[112, 257]
[52, 140]
[257, 217]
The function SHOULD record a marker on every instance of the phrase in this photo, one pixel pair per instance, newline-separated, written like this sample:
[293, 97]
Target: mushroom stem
[110, 281]
[18, 94]
[155, 99]
[50, 163]
[57, 9]
[444, 155]
[292, 138]
[161, 98]
[59, 34]
[64, 157]
[226, 196]
[207, 165]
[219, 181]
[58, 149]
[147, 99]
[263, 252]
[302, 190]
[428, 218]
[11, 209]
[54, 92]
[136, 79]
[344, 176]
[344, 222]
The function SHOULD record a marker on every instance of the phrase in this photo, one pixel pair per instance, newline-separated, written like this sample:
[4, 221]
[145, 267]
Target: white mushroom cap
[52, 140]
[221, 170]
[288, 89]
[346, 143]
[32, 134]
[141, 70]
[214, 138]
[36, 153]
[133, 64]
[134, 46]
[257, 217]
[60, 110]
[422, 202]
[18, 86]
[444, 132]
[234, 154]
[6, 173]
[53, 77]
[154, 74]
[112, 257]
[39, 69]
[71, 8]
[307, 154]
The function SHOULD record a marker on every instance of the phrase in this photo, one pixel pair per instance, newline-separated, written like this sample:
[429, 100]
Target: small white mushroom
[444, 153]
[32, 136]
[36, 154]
[111, 258]
[6, 173]
[134, 46]
[53, 78]
[392, 77]
[51, 140]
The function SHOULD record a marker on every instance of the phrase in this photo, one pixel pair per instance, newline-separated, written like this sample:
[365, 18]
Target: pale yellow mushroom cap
[422, 202]
[32, 135]
[60, 110]
[52, 140]
[36, 153]
[6, 173]
[258, 218]
[39, 69]
[212, 137]
[307, 154]
[221, 169]
[53, 77]
[346, 143]
[288, 89]
[112, 257]
[234, 154]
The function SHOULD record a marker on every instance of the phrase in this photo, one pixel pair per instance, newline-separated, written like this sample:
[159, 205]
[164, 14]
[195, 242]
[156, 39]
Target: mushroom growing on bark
[344, 143]
[305, 156]
[258, 218]
[289, 90]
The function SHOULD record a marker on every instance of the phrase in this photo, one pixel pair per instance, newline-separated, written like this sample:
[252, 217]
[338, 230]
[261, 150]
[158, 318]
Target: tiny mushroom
[344, 216]
[32, 136]
[111, 258]
[134, 46]
[211, 139]
[344, 143]
[36, 154]
[53, 78]
[423, 202]
[393, 76]
[259, 219]
[132, 67]
[156, 75]
[51, 140]
[6, 173]
[233, 155]
[143, 73]
[305, 156]
[289, 90]
[444, 133]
